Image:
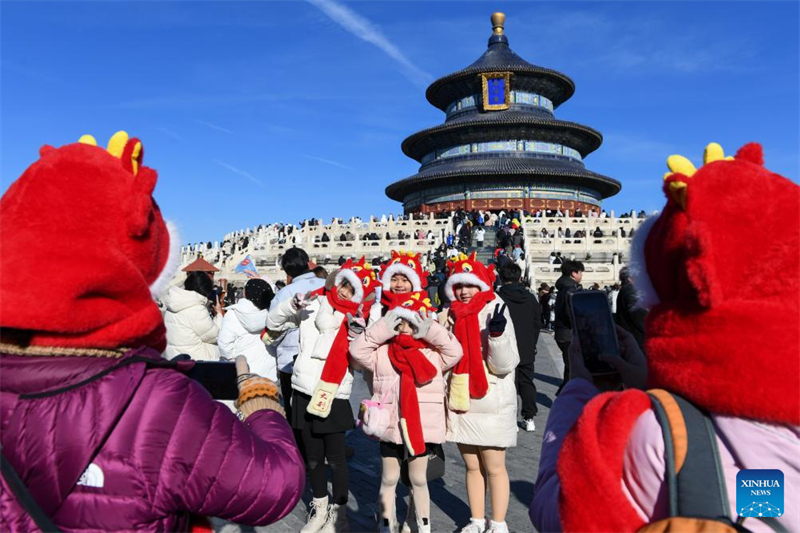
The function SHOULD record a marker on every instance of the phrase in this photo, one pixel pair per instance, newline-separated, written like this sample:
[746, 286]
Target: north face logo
[92, 477]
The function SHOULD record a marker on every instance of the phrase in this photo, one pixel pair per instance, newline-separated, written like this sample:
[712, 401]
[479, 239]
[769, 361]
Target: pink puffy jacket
[371, 351]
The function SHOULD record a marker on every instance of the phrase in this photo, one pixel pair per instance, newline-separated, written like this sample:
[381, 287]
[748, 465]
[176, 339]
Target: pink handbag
[375, 416]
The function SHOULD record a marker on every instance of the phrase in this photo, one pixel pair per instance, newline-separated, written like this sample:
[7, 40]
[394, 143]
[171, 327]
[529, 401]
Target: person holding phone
[322, 381]
[101, 432]
[243, 327]
[406, 352]
[191, 328]
[721, 390]
[482, 401]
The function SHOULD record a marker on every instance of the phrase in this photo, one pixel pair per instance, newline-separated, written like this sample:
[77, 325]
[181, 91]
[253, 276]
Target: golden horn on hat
[678, 164]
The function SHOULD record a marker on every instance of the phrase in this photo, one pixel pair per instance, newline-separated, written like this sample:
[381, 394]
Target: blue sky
[254, 112]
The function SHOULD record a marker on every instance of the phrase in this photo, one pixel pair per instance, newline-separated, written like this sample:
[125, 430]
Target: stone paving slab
[449, 508]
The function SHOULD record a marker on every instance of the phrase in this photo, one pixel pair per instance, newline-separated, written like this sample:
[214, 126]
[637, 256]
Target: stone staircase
[486, 253]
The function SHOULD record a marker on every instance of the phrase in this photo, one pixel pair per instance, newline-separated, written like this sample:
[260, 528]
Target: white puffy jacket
[240, 334]
[190, 328]
[318, 325]
[491, 420]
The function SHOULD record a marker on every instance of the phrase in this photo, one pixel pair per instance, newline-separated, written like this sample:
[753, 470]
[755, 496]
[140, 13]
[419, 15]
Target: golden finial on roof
[498, 21]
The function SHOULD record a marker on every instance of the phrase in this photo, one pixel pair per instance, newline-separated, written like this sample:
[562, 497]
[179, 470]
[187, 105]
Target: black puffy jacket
[526, 316]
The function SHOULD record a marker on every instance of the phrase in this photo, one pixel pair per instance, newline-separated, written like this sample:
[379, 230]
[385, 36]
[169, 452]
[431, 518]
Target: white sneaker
[317, 515]
[495, 527]
[337, 520]
[530, 424]
[424, 525]
[474, 526]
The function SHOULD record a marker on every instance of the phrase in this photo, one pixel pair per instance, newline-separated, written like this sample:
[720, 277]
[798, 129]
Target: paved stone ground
[449, 509]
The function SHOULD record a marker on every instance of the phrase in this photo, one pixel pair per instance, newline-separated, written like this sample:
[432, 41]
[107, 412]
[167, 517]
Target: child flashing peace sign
[482, 401]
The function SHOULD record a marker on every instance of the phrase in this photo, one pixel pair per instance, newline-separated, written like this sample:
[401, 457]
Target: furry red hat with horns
[360, 276]
[465, 270]
[407, 264]
[85, 249]
[718, 269]
[413, 304]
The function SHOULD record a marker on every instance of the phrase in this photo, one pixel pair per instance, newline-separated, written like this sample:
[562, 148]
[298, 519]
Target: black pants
[526, 390]
[286, 392]
[564, 347]
[318, 447]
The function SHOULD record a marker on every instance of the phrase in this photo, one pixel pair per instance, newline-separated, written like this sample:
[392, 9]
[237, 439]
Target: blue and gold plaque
[496, 90]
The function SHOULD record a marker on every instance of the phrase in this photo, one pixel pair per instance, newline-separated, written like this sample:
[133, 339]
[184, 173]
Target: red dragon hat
[408, 264]
[468, 271]
[360, 275]
[85, 249]
[718, 269]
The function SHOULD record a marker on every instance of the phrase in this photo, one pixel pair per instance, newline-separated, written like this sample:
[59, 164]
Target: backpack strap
[25, 498]
[694, 474]
[179, 365]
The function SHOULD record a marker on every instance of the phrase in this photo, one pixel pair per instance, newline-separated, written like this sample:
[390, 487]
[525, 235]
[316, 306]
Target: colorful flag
[247, 267]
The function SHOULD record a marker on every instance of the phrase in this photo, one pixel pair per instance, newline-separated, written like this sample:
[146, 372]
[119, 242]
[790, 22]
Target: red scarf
[468, 332]
[415, 369]
[595, 449]
[337, 362]
[390, 300]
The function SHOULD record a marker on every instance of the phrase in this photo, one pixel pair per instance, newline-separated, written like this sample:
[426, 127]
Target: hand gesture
[355, 324]
[577, 368]
[497, 324]
[392, 320]
[632, 365]
[217, 307]
[301, 301]
[422, 323]
[298, 301]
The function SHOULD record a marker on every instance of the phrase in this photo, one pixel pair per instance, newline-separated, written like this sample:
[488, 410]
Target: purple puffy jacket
[137, 448]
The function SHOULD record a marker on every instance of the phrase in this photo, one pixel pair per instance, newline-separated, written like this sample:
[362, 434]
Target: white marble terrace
[603, 257]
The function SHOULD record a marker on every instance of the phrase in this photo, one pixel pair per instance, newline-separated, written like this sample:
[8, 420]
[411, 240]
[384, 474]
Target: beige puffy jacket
[491, 420]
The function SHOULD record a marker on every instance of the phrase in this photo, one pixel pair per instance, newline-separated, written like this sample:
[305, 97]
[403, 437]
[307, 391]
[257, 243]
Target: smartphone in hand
[217, 377]
[594, 325]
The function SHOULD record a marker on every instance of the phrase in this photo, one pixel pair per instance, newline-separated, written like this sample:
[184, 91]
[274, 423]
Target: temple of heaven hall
[500, 146]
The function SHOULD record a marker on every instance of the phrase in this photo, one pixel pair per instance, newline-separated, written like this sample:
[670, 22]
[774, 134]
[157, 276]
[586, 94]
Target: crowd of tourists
[102, 429]
[401, 338]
